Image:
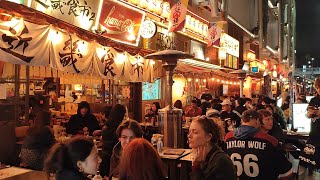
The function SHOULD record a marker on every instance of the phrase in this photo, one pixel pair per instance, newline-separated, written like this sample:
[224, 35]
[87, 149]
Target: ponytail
[65, 156]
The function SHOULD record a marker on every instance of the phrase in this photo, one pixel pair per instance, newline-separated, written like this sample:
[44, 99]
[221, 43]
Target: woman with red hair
[140, 161]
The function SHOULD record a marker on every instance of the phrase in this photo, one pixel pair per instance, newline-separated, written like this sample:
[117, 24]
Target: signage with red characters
[121, 22]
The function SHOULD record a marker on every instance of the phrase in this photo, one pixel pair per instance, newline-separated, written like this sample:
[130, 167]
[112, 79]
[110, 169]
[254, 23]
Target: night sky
[308, 31]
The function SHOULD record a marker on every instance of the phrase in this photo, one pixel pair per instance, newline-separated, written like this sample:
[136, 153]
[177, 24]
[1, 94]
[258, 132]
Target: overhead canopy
[200, 68]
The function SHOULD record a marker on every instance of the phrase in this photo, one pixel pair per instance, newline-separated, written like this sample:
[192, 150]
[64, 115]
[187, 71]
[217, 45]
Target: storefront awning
[200, 67]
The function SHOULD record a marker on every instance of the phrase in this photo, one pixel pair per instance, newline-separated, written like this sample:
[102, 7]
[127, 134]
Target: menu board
[300, 120]
[151, 91]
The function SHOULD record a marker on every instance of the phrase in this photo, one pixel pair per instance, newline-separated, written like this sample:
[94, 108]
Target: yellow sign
[81, 13]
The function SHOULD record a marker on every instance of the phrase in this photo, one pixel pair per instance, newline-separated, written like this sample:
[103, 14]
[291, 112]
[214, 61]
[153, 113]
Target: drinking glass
[289, 127]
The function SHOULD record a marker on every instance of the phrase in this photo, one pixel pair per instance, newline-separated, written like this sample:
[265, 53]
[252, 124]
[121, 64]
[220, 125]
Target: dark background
[308, 31]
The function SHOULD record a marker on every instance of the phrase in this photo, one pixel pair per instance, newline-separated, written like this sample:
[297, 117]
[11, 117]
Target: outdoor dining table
[16, 173]
[172, 161]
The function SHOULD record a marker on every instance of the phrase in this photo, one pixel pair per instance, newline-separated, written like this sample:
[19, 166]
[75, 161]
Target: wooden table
[15, 173]
[296, 135]
[172, 162]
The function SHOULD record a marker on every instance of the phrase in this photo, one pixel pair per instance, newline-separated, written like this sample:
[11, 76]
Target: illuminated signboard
[151, 91]
[148, 29]
[300, 120]
[81, 13]
[230, 44]
[17, 1]
[121, 22]
[197, 49]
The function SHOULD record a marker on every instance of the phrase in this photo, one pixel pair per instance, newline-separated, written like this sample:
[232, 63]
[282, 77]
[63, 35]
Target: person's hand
[96, 133]
[199, 155]
[150, 112]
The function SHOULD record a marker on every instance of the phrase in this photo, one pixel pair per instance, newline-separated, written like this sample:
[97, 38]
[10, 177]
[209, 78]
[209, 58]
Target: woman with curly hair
[210, 161]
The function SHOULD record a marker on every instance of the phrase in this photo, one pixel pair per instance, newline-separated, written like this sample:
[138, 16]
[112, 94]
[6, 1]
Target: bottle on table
[159, 145]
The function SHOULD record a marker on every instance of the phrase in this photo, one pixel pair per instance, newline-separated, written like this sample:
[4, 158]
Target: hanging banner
[121, 22]
[178, 15]
[42, 47]
[214, 34]
[81, 13]
[139, 69]
[23, 43]
[72, 54]
[107, 63]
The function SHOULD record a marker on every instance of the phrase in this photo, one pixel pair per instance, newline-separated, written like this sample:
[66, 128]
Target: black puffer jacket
[217, 166]
[109, 139]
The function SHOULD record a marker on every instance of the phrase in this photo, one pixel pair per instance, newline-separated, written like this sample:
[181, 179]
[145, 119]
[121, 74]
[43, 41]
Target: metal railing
[309, 70]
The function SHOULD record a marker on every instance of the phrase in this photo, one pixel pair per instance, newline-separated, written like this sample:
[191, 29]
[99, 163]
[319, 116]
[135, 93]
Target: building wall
[244, 11]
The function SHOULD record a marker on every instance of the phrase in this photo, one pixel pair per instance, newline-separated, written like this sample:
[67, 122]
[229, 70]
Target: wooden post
[16, 91]
[26, 105]
[103, 92]
[109, 89]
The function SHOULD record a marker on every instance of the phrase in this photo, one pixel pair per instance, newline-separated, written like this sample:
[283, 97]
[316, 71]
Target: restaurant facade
[100, 45]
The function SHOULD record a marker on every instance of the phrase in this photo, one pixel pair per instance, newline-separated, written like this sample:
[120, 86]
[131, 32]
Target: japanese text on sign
[230, 44]
[81, 13]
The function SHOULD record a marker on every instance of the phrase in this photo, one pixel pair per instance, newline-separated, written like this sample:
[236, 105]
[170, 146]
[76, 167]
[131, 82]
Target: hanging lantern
[134, 2]
[159, 9]
[152, 5]
[143, 4]
[165, 10]
[274, 73]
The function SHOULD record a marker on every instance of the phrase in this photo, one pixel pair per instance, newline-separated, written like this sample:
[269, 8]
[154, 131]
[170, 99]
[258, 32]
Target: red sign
[121, 22]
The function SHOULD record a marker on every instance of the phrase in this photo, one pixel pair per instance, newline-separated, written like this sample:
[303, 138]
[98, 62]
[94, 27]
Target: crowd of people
[78, 157]
[230, 137]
